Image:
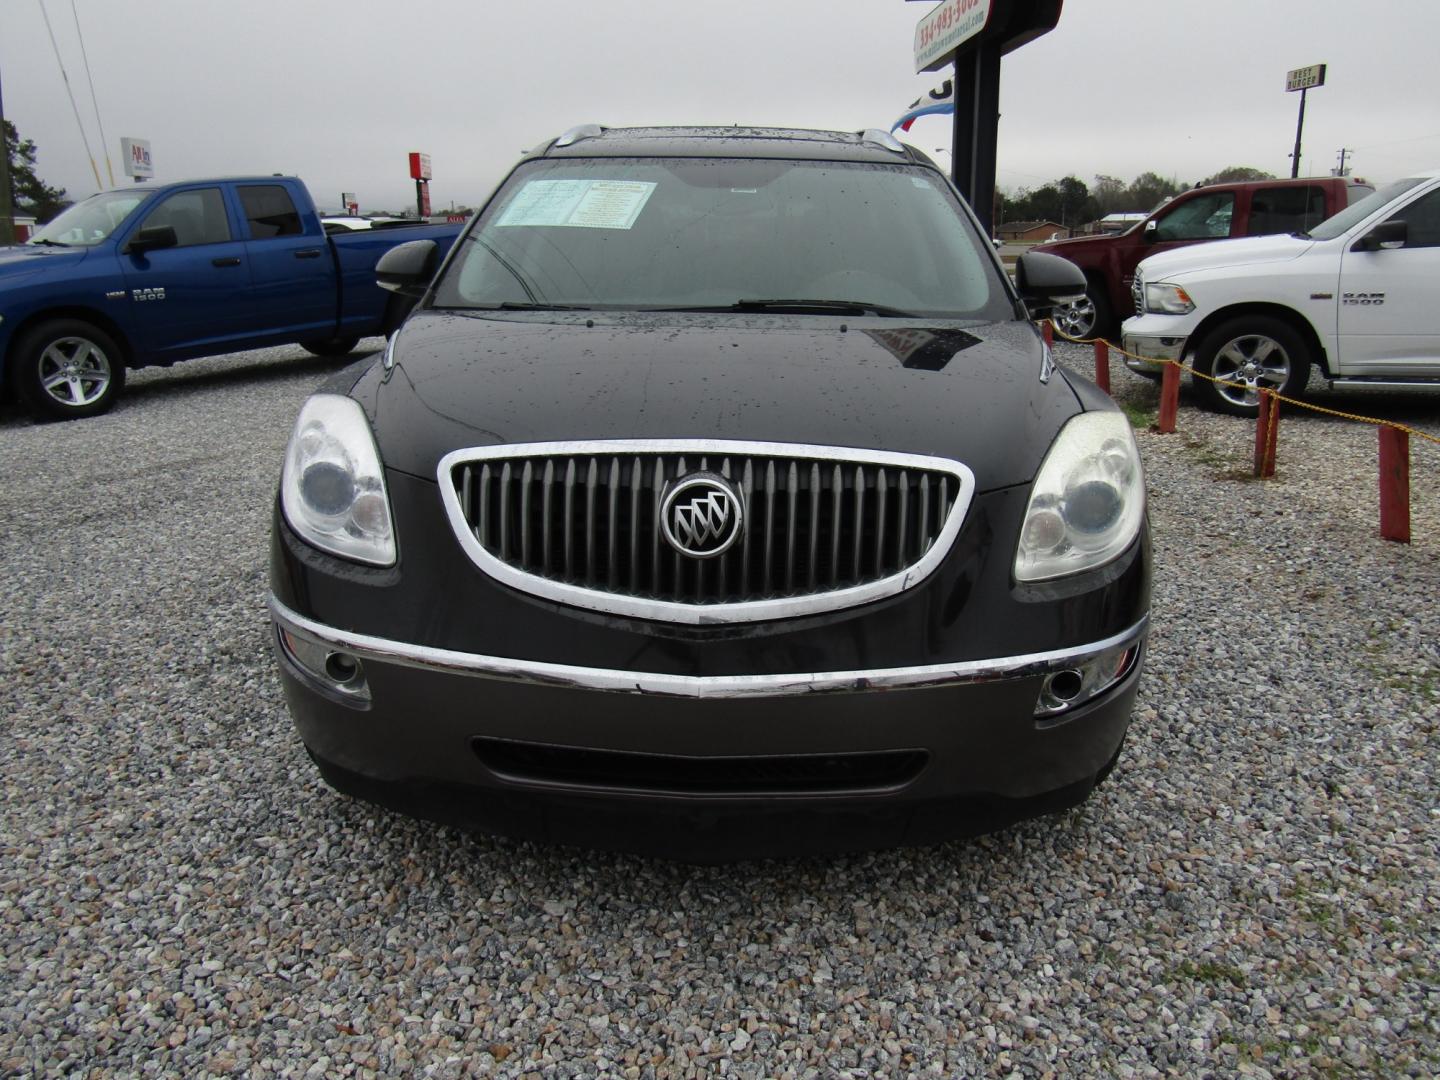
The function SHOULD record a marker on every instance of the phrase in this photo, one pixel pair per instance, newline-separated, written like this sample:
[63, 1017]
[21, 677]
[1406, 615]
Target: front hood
[21, 260]
[1076, 245]
[1223, 254]
[474, 379]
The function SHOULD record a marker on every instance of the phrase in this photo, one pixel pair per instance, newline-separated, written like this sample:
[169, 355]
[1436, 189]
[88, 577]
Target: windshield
[86, 224]
[1357, 212]
[727, 234]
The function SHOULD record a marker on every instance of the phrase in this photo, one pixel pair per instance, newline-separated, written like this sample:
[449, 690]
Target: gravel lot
[1255, 891]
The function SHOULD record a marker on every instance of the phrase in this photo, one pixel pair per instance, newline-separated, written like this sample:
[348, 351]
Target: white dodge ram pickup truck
[1359, 295]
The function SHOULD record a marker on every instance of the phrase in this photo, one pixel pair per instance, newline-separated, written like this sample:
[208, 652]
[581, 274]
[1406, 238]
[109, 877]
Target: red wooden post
[1267, 433]
[1102, 364]
[1169, 398]
[1047, 331]
[1395, 484]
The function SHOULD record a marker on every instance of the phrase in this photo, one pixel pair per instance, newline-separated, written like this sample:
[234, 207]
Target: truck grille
[1137, 293]
[823, 528]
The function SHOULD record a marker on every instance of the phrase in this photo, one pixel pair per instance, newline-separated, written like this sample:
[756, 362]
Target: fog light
[1064, 688]
[336, 670]
[343, 668]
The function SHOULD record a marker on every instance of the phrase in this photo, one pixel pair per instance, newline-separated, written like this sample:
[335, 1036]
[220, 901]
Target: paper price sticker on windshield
[578, 204]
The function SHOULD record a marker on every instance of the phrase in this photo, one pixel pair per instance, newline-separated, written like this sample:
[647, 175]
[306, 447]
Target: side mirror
[1044, 281]
[1151, 232]
[151, 238]
[1387, 236]
[408, 268]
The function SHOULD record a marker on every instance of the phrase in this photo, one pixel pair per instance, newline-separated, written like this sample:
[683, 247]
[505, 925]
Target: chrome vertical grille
[824, 528]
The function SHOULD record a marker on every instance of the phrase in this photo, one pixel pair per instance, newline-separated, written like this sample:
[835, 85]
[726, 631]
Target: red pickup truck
[1213, 212]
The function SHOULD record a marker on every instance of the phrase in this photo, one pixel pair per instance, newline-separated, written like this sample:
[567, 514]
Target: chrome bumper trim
[370, 648]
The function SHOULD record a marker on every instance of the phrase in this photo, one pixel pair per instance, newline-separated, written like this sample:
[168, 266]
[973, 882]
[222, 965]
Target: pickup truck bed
[153, 274]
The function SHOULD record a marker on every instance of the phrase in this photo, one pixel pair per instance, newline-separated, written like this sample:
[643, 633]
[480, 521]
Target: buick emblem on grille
[702, 515]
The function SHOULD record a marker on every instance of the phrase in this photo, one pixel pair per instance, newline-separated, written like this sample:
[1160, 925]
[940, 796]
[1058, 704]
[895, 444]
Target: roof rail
[882, 139]
[580, 131]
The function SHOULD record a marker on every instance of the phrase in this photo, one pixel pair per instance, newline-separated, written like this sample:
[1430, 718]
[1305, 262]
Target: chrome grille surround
[778, 493]
[1137, 292]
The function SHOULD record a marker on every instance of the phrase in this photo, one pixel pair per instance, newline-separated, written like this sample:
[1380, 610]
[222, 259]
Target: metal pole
[7, 201]
[987, 133]
[962, 139]
[976, 130]
[1299, 127]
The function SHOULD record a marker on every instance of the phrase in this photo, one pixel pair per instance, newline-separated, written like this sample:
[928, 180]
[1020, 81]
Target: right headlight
[1168, 299]
[1088, 501]
[332, 489]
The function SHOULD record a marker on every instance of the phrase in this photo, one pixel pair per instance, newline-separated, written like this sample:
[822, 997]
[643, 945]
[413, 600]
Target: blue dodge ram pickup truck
[156, 273]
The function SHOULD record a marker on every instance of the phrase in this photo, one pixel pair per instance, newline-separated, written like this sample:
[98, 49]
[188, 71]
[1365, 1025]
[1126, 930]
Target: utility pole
[1341, 170]
[7, 202]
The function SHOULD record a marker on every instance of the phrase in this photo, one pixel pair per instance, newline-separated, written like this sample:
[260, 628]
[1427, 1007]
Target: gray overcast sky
[338, 93]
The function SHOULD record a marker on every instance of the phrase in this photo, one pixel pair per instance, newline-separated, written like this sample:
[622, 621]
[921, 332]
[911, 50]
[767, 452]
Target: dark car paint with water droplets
[464, 380]
[473, 379]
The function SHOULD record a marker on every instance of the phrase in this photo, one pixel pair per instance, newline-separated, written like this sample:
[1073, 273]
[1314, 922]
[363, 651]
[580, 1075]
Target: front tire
[67, 369]
[1254, 353]
[1087, 317]
[340, 346]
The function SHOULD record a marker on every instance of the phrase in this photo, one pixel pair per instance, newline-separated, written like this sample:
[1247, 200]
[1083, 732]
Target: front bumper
[701, 767]
[476, 703]
[1157, 337]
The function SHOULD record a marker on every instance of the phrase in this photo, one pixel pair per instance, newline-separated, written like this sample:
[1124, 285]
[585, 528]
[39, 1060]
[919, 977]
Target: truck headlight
[1088, 500]
[332, 489]
[1170, 299]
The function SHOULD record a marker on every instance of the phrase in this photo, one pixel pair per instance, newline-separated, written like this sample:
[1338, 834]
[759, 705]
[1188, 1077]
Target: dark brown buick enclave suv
[718, 498]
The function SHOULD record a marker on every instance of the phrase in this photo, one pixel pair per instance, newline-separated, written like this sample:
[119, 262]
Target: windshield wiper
[798, 305]
[48, 242]
[804, 304]
[540, 305]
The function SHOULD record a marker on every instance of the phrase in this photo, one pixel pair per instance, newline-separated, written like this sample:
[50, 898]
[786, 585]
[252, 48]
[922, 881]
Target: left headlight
[1168, 299]
[332, 489]
[1088, 501]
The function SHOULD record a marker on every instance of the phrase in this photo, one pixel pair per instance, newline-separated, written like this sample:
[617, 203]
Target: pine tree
[31, 195]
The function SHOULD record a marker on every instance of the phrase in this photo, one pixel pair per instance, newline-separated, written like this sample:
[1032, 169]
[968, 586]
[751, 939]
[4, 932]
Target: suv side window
[1422, 220]
[1286, 210]
[270, 211]
[198, 217]
[1205, 217]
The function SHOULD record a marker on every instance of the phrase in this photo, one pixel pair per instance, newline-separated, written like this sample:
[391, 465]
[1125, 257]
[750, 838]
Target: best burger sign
[947, 28]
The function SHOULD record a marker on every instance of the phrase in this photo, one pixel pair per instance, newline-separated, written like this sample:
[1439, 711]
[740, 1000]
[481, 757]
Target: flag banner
[937, 101]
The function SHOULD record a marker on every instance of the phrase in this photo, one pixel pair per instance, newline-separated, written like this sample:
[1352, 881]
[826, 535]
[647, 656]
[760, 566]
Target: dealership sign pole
[1302, 79]
[975, 34]
[420, 173]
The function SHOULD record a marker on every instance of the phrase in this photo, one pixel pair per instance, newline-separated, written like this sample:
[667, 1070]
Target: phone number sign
[946, 28]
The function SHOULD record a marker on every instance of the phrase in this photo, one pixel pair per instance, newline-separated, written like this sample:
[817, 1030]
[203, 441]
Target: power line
[70, 93]
[104, 142]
